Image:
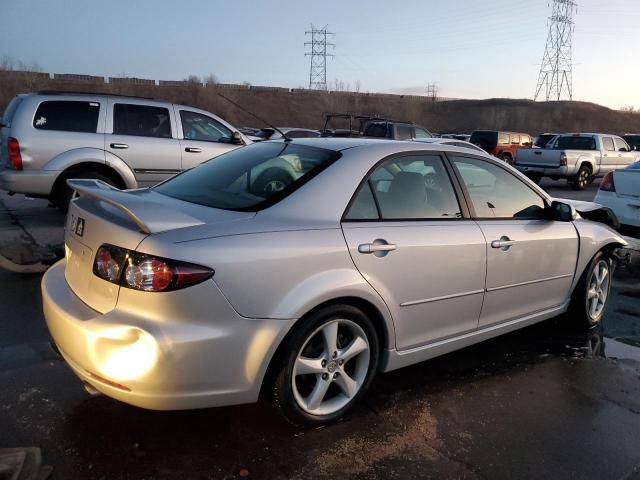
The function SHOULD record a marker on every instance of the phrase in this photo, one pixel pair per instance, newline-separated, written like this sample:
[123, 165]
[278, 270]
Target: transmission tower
[555, 79]
[432, 91]
[318, 54]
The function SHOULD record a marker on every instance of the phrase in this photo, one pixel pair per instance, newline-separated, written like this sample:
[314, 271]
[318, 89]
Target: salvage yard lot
[546, 401]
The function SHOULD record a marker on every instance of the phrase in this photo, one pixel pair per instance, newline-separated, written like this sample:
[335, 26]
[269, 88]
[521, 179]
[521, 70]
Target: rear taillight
[140, 271]
[607, 184]
[563, 159]
[15, 158]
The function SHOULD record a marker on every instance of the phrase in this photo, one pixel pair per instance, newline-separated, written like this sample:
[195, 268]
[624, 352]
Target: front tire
[506, 157]
[329, 362]
[591, 296]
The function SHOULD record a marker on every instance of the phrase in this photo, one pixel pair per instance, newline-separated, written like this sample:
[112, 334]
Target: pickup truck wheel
[63, 194]
[582, 179]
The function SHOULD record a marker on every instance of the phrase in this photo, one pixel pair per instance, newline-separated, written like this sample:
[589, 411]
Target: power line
[556, 72]
[318, 54]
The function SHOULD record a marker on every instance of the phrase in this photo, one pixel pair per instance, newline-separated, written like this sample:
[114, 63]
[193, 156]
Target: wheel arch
[87, 166]
[385, 336]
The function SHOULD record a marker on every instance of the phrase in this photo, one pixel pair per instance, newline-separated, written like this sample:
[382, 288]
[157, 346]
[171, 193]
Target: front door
[530, 260]
[625, 155]
[143, 135]
[407, 236]
[202, 138]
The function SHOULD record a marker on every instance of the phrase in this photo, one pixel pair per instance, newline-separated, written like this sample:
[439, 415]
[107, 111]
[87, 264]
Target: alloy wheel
[583, 178]
[274, 186]
[331, 367]
[598, 289]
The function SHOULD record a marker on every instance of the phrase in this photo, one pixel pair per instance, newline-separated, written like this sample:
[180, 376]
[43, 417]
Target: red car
[501, 144]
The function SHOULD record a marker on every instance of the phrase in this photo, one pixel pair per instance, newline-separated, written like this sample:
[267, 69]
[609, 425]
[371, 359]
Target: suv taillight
[140, 271]
[15, 158]
[607, 184]
[563, 159]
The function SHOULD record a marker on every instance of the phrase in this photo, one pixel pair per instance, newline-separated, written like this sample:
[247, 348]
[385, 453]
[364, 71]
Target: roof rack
[77, 92]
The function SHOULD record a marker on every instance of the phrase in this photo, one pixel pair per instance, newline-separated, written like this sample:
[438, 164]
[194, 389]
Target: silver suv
[129, 142]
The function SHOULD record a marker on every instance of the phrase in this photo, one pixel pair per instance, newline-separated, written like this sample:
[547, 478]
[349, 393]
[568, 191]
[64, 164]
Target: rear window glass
[380, 130]
[141, 120]
[485, 140]
[576, 143]
[542, 140]
[11, 110]
[249, 178]
[633, 140]
[67, 116]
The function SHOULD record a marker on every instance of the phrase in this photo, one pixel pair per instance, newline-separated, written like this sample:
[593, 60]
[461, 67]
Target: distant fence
[92, 79]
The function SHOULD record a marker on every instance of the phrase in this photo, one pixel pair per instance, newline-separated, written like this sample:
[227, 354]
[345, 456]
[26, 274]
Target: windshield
[250, 178]
[576, 143]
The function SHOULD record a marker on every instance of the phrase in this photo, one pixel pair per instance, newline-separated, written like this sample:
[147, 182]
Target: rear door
[625, 155]
[201, 137]
[143, 135]
[530, 260]
[408, 237]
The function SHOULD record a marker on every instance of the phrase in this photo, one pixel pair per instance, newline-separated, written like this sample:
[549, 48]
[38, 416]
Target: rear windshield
[380, 130]
[542, 140]
[576, 143]
[11, 110]
[485, 140]
[249, 178]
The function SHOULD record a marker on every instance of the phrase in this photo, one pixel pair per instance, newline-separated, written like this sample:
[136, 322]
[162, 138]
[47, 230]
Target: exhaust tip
[91, 390]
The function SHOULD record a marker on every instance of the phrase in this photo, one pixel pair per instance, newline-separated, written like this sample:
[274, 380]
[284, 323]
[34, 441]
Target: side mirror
[236, 138]
[561, 212]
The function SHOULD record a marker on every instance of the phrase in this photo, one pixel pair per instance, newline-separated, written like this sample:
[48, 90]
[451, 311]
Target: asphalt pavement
[548, 401]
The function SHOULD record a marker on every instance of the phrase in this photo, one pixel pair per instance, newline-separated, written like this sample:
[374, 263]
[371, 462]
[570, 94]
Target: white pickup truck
[578, 157]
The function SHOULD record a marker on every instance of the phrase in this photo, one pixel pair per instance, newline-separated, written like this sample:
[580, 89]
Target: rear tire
[506, 157]
[582, 178]
[319, 381]
[63, 194]
[591, 296]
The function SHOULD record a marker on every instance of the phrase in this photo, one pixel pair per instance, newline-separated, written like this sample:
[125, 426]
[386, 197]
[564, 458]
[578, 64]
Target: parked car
[502, 145]
[633, 139]
[202, 292]
[578, 157]
[128, 142]
[543, 140]
[620, 191]
[451, 142]
[351, 125]
[273, 134]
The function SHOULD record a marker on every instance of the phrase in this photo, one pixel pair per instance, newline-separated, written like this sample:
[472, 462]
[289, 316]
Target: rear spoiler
[150, 217]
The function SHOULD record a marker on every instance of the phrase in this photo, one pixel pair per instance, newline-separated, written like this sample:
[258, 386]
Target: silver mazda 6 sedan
[350, 257]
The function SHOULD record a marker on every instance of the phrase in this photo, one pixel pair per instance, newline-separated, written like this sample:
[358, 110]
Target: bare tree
[629, 109]
[8, 64]
[210, 79]
[357, 86]
[193, 79]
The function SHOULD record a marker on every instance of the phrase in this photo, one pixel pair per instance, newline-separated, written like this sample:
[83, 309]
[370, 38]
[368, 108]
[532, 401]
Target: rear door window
[503, 139]
[403, 132]
[409, 188]
[67, 116]
[515, 139]
[607, 143]
[141, 120]
[422, 133]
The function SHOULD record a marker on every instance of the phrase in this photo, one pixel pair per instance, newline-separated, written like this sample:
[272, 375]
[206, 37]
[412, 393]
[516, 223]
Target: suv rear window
[11, 110]
[67, 116]
[380, 130]
[576, 143]
[249, 178]
[141, 120]
[485, 140]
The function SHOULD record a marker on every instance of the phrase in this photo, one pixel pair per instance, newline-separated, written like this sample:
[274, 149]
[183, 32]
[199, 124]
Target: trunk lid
[103, 214]
[627, 183]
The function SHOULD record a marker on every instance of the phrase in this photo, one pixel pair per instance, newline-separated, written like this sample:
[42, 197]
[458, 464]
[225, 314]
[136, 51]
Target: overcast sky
[470, 48]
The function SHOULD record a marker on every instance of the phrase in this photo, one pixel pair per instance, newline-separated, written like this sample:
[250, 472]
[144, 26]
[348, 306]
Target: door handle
[504, 243]
[193, 150]
[379, 247]
[121, 146]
